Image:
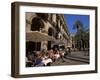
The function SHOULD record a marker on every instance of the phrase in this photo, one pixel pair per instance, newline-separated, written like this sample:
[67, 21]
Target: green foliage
[81, 37]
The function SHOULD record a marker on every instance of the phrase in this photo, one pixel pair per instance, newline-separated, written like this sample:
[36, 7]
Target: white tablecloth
[46, 61]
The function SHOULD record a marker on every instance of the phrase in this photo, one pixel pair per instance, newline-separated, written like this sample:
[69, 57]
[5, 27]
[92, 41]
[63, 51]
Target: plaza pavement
[75, 58]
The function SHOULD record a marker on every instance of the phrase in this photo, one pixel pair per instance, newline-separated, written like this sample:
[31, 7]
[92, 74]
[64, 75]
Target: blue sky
[71, 18]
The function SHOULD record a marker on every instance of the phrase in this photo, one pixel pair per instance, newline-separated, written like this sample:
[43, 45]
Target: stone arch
[37, 24]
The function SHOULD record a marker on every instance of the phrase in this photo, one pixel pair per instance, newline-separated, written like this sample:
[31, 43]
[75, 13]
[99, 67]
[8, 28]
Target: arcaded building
[51, 24]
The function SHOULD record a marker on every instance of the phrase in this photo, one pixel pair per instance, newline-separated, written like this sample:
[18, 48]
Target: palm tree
[79, 37]
[86, 39]
[78, 25]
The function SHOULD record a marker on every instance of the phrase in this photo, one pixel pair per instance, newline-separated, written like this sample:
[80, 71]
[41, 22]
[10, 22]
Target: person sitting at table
[62, 55]
[56, 55]
[29, 59]
[39, 60]
[50, 54]
[46, 59]
[29, 63]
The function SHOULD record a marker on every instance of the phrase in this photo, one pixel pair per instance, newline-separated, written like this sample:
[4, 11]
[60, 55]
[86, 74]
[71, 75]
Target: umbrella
[37, 36]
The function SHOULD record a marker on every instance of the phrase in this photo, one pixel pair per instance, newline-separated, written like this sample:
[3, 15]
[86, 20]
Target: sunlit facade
[51, 24]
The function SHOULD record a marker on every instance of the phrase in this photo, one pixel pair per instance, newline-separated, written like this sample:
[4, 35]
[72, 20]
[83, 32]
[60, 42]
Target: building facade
[51, 24]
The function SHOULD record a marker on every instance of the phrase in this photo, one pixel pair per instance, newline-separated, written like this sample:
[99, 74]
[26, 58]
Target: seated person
[50, 54]
[29, 63]
[46, 59]
[62, 55]
[39, 59]
[57, 55]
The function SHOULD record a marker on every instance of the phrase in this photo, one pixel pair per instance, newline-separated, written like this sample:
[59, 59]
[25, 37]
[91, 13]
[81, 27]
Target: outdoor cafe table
[46, 61]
